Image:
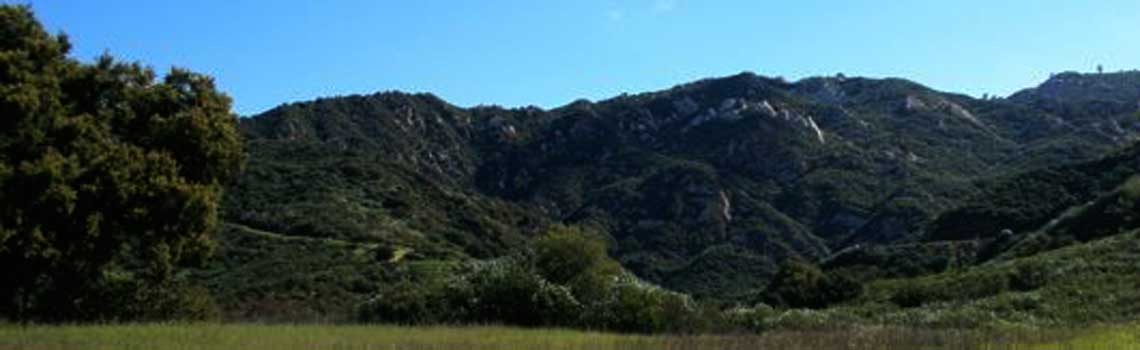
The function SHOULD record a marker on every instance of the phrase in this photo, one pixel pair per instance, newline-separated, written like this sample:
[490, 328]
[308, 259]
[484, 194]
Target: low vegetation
[564, 279]
[287, 337]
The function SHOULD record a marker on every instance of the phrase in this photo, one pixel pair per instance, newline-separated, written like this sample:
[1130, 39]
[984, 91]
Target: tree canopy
[109, 177]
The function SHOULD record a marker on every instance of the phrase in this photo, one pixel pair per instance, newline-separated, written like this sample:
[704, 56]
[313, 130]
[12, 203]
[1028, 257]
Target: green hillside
[703, 188]
[1087, 283]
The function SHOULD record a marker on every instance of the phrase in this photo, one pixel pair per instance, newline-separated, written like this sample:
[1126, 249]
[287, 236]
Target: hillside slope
[1079, 284]
[1014, 216]
[703, 188]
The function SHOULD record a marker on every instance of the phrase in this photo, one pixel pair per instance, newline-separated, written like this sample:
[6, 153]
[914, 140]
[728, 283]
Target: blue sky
[547, 53]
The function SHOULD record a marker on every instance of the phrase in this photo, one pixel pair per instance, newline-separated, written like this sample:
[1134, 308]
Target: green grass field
[1118, 337]
[254, 337]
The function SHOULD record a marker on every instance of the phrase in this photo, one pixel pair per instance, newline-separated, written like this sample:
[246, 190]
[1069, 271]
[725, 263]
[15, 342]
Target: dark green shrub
[506, 291]
[631, 305]
[918, 292]
[124, 297]
[567, 280]
[799, 284]
[498, 291]
[384, 253]
[1029, 277]
[755, 319]
[840, 288]
[915, 295]
[408, 302]
[572, 257]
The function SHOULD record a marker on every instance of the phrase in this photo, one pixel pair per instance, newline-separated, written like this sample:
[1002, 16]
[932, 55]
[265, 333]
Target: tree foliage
[803, 285]
[566, 280]
[103, 171]
[571, 256]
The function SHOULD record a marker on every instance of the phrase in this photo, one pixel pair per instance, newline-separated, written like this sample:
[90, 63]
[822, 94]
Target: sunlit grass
[254, 337]
[1112, 337]
[211, 336]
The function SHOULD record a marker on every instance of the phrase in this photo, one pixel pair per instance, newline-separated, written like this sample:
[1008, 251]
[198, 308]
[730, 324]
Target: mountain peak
[764, 166]
[1116, 87]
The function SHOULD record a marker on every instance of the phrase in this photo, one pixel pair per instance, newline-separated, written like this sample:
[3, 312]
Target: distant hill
[1014, 216]
[1090, 283]
[704, 188]
[1029, 201]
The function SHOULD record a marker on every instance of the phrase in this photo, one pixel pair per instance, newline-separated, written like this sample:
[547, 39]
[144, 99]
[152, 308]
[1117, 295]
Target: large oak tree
[109, 178]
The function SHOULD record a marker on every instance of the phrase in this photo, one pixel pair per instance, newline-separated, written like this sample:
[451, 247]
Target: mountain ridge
[738, 171]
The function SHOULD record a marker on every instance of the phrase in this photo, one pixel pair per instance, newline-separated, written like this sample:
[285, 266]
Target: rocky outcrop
[939, 104]
[764, 167]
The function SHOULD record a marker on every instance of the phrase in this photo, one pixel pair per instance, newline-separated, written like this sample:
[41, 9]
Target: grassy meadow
[254, 337]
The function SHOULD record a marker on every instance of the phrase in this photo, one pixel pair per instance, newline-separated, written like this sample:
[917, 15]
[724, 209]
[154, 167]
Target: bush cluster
[566, 279]
[799, 284]
[972, 285]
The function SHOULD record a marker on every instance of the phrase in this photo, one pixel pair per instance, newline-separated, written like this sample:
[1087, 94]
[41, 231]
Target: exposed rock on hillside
[737, 171]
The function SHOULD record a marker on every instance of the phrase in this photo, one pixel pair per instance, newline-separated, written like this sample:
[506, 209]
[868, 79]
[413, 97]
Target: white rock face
[1115, 127]
[831, 92]
[963, 113]
[915, 104]
[732, 109]
[815, 127]
[505, 128]
[918, 104]
[729, 110]
[913, 158]
[767, 109]
[686, 106]
[725, 207]
[727, 104]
